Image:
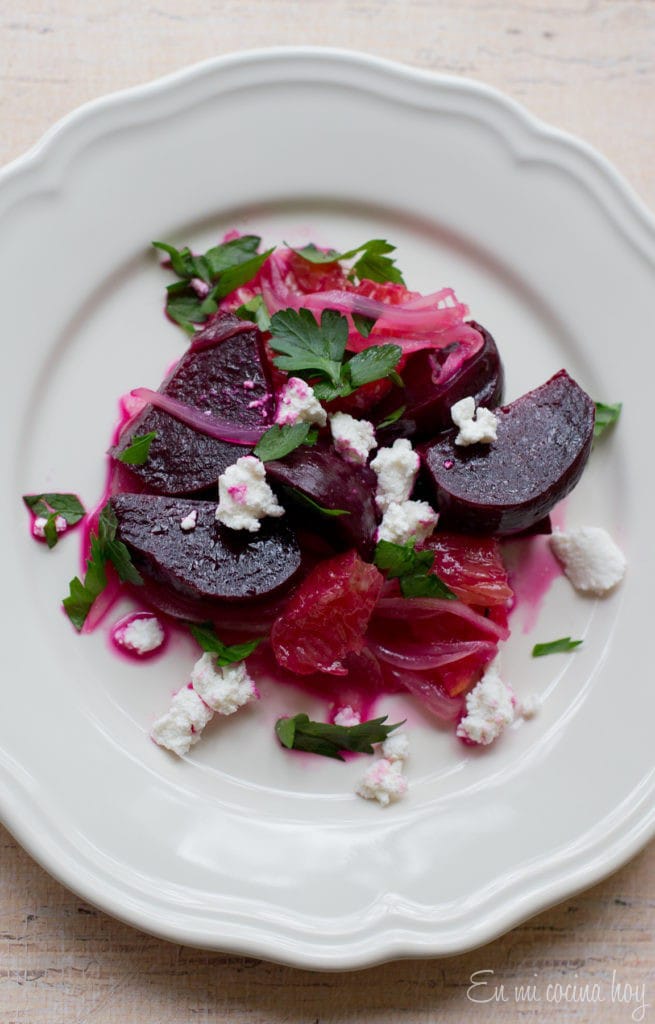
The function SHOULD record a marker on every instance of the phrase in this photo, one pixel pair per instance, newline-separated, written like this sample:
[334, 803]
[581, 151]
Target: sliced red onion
[220, 330]
[221, 430]
[426, 607]
[428, 319]
[422, 657]
[430, 694]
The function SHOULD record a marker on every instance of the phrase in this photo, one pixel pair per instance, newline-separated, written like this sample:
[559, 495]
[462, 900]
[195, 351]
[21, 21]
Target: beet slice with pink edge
[544, 441]
[210, 562]
[320, 474]
[224, 373]
[435, 378]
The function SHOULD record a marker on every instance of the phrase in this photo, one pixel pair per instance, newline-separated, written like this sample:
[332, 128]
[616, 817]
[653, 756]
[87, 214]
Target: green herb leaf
[373, 263]
[224, 268]
[104, 548]
[364, 324]
[304, 499]
[391, 418]
[49, 506]
[372, 364]
[300, 733]
[255, 309]
[314, 255]
[316, 352]
[206, 636]
[137, 451]
[606, 416]
[279, 441]
[413, 569]
[67, 505]
[562, 646]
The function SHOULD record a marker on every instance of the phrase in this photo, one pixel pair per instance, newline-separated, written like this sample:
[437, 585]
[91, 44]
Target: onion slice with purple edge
[430, 694]
[426, 607]
[218, 331]
[423, 657]
[221, 430]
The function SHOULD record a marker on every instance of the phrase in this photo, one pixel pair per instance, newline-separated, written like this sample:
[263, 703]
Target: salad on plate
[321, 492]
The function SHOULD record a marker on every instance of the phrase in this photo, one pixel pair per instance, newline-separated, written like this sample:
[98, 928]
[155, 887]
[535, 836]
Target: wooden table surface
[588, 67]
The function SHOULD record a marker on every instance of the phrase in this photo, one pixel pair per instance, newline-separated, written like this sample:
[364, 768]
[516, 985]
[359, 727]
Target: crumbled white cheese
[141, 635]
[591, 559]
[475, 426]
[297, 403]
[396, 747]
[189, 522]
[347, 716]
[396, 470]
[181, 727]
[383, 781]
[353, 439]
[39, 525]
[244, 496]
[490, 707]
[409, 519]
[224, 689]
[529, 706]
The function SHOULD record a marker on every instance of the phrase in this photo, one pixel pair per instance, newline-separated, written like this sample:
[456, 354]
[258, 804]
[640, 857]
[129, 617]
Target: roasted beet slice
[210, 561]
[544, 440]
[321, 475]
[429, 393]
[228, 379]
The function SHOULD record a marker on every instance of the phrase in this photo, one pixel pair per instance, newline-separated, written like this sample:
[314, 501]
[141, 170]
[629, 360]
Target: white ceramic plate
[241, 846]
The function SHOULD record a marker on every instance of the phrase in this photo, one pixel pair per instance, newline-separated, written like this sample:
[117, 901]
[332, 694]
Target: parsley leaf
[364, 324]
[223, 268]
[373, 263]
[391, 418]
[255, 309]
[606, 416]
[412, 568]
[278, 441]
[300, 733]
[562, 646]
[104, 548]
[304, 499]
[49, 506]
[206, 636]
[137, 451]
[316, 352]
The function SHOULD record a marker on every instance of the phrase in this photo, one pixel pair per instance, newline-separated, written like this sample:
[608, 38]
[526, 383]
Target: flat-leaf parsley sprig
[226, 654]
[300, 733]
[316, 352]
[412, 568]
[49, 507]
[373, 262]
[105, 548]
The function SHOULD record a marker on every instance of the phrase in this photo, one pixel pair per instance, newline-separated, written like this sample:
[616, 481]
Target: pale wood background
[588, 67]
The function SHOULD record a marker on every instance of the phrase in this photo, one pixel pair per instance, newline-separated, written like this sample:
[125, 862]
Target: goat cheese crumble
[401, 522]
[297, 404]
[181, 726]
[396, 469]
[476, 426]
[396, 747]
[353, 439]
[244, 497]
[189, 522]
[590, 558]
[141, 635]
[383, 781]
[347, 716]
[224, 689]
[490, 707]
[39, 525]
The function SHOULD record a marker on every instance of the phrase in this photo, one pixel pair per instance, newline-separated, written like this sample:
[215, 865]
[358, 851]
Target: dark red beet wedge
[428, 394]
[544, 440]
[321, 475]
[181, 460]
[209, 562]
